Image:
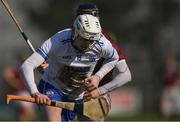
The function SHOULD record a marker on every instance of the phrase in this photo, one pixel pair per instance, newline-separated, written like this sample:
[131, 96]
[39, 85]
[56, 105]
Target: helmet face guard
[88, 27]
[87, 8]
[90, 36]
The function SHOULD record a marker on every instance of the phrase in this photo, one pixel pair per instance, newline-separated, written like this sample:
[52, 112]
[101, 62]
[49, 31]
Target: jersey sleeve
[123, 77]
[27, 73]
[108, 51]
[49, 46]
[110, 55]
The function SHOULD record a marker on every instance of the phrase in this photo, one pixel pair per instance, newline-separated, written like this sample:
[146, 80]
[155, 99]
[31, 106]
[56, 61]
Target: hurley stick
[95, 109]
[6, 5]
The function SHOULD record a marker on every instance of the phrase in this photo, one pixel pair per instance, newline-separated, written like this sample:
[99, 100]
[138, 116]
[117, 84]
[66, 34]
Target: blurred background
[147, 32]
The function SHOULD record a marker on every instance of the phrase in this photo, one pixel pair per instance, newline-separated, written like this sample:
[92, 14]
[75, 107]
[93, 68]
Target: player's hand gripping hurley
[95, 109]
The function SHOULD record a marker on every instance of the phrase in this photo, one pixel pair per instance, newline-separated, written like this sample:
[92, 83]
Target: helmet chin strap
[91, 46]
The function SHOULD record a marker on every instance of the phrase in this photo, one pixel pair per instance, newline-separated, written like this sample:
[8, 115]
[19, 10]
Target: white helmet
[87, 26]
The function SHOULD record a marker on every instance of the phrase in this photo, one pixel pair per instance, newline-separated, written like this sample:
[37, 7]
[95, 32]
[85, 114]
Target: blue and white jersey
[68, 66]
